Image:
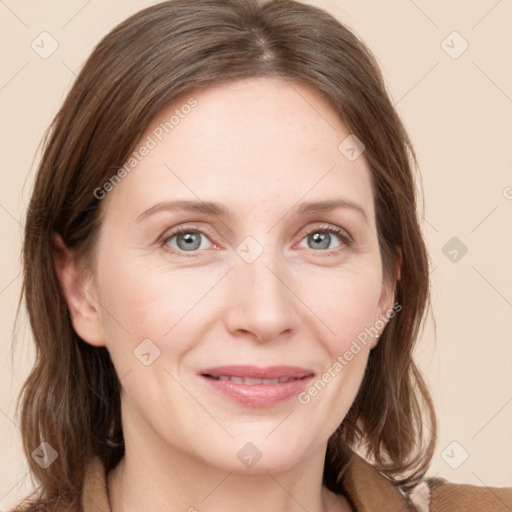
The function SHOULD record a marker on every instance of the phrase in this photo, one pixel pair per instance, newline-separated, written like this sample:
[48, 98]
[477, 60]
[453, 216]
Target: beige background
[459, 114]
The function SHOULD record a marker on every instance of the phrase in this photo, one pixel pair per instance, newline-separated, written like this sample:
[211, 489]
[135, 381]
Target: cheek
[140, 301]
[344, 306]
[345, 301]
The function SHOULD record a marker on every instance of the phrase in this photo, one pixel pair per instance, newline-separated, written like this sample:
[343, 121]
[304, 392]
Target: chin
[253, 454]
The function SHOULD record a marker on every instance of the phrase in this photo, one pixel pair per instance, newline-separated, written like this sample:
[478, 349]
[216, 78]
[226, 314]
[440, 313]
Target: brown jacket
[367, 490]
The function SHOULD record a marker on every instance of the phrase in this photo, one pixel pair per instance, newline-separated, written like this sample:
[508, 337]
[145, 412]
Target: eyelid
[172, 232]
[343, 234]
[323, 226]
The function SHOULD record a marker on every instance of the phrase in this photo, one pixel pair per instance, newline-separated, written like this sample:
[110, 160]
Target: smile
[257, 387]
[251, 381]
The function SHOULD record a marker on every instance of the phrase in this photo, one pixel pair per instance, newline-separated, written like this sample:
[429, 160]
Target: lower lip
[258, 395]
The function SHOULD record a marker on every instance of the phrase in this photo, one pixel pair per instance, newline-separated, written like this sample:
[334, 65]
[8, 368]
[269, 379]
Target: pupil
[192, 241]
[322, 239]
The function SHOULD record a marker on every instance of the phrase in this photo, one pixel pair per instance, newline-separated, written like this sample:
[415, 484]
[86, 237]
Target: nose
[260, 302]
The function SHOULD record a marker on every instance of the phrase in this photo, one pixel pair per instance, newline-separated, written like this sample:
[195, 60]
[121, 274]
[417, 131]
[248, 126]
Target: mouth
[251, 375]
[257, 387]
[251, 381]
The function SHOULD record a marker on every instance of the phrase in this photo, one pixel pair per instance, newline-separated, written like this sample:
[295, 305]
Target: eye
[322, 237]
[185, 239]
[326, 239]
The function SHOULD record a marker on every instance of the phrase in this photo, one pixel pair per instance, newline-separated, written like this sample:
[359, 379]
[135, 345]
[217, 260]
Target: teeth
[250, 381]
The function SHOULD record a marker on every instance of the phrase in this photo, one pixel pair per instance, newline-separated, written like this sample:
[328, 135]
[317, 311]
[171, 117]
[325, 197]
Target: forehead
[249, 144]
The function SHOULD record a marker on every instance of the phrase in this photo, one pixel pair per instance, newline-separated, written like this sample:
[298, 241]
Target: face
[259, 278]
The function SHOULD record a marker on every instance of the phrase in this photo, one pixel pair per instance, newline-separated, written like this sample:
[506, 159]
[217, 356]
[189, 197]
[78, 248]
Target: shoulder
[367, 488]
[440, 495]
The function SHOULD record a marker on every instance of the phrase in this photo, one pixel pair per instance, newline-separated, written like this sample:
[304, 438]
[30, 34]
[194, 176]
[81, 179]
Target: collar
[369, 490]
[363, 485]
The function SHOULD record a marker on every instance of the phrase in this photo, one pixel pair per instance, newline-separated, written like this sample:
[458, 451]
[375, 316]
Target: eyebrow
[218, 210]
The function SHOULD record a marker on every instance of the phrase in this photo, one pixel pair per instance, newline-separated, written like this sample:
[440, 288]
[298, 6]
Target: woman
[225, 276]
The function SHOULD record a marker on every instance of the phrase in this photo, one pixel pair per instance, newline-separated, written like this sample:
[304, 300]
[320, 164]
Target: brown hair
[71, 398]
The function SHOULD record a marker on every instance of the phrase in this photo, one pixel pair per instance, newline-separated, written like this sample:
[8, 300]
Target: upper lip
[256, 372]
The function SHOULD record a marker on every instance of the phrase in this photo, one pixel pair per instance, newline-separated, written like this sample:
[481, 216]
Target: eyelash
[343, 236]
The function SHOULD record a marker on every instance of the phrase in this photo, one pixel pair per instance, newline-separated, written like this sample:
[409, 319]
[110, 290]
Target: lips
[251, 373]
[249, 381]
[256, 387]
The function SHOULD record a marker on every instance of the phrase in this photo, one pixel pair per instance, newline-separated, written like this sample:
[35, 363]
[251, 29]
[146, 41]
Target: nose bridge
[262, 268]
[262, 303]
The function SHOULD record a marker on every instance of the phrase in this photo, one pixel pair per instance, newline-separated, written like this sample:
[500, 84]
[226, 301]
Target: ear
[387, 297]
[78, 288]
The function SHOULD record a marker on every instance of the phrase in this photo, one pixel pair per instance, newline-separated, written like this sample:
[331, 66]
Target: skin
[260, 147]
